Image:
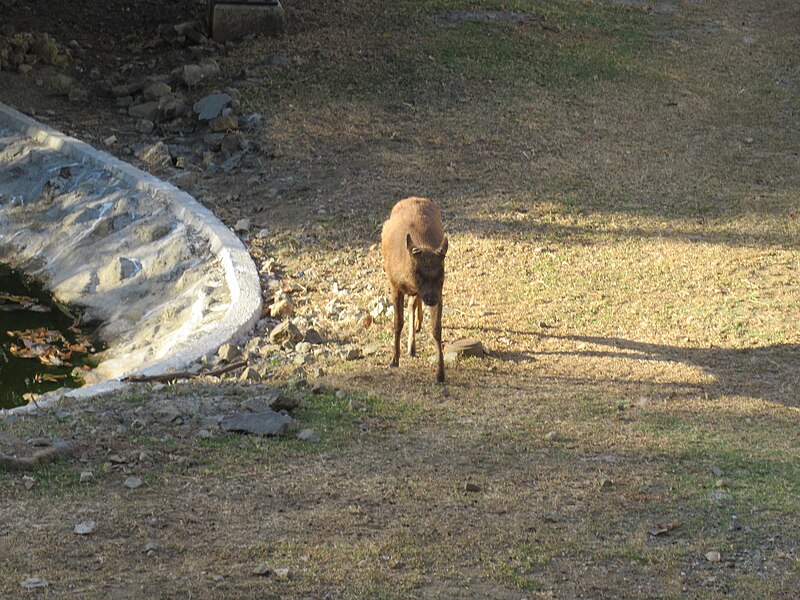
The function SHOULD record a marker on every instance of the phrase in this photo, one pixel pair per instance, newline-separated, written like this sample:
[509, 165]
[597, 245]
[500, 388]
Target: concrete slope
[169, 282]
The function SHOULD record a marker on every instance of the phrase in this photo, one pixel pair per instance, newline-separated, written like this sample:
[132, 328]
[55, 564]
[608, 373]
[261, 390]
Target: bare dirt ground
[620, 186]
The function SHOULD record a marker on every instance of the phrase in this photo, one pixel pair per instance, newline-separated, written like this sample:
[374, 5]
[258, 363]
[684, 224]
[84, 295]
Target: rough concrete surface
[168, 281]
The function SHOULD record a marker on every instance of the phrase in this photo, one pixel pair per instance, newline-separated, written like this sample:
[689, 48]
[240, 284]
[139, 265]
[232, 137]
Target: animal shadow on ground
[769, 373]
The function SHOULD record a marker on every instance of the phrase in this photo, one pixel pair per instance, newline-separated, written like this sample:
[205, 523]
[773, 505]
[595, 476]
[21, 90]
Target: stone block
[233, 20]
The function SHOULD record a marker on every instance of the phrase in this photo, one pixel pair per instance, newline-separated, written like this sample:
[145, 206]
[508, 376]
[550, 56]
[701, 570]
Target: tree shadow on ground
[769, 373]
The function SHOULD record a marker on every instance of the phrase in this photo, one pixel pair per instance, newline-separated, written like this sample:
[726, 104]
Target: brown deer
[414, 245]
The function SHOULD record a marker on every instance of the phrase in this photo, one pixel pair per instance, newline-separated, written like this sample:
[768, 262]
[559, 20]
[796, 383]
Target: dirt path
[619, 184]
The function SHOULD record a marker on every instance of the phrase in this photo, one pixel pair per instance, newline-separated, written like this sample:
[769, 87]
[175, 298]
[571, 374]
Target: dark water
[41, 332]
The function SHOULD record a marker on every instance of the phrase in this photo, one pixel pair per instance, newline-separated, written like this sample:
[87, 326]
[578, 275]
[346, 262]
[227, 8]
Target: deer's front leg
[413, 325]
[437, 336]
[398, 300]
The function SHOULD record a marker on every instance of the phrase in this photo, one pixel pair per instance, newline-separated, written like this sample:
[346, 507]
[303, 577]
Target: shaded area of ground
[619, 183]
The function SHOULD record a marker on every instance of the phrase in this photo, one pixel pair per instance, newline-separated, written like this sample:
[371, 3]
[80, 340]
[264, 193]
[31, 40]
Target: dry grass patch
[620, 190]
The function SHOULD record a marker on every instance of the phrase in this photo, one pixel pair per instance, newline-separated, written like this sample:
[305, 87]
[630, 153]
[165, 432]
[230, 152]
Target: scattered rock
[87, 477]
[713, 556]
[250, 374]
[145, 126]
[150, 548]
[211, 106]
[472, 487]
[606, 484]
[353, 353]
[262, 570]
[84, 527]
[464, 347]
[308, 435]
[156, 154]
[285, 331]
[281, 574]
[33, 583]
[303, 359]
[228, 352]
[224, 124]
[191, 75]
[717, 471]
[166, 414]
[312, 336]
[154, 90]
[145, 110]
[552, 436]
[280, 401]
[371, 349]
[266, 422]
[133, 482]
[129, 89]
[242, 226]
[282, 308]
[45, 48]
[171, 107]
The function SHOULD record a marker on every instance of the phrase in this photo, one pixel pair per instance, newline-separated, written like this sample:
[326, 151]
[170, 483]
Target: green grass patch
[404, 56]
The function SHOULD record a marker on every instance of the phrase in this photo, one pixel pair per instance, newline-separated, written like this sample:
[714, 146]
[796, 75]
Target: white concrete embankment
[169, 282]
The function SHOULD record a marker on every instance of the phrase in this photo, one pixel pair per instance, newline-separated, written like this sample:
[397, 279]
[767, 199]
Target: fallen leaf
[664, 527]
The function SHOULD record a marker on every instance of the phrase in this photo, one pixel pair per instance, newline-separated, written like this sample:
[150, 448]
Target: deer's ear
[442, 249]
[410, 245]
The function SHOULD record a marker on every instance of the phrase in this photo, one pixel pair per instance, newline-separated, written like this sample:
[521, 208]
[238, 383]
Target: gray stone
[228, 352]
[308, 435]
[131, 88]
[283, 402]
[168, 413]
[133, 482]
[242, 226]
[236, 21]
[465, 347]
[156, 89]
[211, 106]
[250, 374]
[281, 308]
[312, 336]
[266, 422]
[285, 331]
[146, 110]
[155, 154]
[145, 126]
[170, 107]
[224, 123]
[33, 583]
[353, 354]
[84, 527]
[45, 48]
[303, 359]
[191, 75]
